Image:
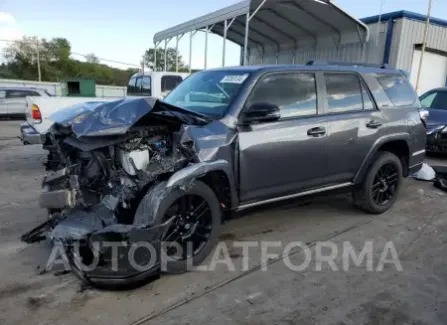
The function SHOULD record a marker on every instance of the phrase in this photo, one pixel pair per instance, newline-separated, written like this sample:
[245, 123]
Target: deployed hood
[116, 117]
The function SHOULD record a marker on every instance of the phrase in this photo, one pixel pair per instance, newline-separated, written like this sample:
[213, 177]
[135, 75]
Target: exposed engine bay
[113, 174]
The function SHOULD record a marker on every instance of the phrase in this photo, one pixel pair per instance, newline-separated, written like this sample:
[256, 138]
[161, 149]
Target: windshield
[208, 92]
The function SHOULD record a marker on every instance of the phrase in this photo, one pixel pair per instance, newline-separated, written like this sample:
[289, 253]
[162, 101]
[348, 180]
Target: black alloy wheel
[381, 184]
[385, 184]
[195, 228]
[191, 228]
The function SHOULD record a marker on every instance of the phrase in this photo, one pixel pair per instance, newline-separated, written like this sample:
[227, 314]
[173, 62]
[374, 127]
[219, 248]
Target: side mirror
[261, 112]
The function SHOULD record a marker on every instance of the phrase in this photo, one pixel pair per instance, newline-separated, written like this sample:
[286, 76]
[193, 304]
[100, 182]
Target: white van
[154, 83]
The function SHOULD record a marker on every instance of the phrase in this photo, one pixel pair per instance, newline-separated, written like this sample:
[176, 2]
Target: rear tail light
[35, 114]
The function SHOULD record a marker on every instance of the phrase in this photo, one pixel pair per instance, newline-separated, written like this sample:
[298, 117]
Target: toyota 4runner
[224, 140]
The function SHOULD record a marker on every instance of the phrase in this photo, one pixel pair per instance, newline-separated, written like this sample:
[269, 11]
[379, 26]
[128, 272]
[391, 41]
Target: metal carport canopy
[270, 22]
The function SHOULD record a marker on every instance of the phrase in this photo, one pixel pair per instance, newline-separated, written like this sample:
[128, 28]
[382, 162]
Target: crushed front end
[99, 167]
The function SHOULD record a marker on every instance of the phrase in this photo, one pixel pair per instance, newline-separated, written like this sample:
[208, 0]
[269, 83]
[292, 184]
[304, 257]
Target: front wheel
[195, 228]
[380, 188]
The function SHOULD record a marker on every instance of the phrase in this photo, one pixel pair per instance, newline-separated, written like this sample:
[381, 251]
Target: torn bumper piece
[116, 256]
[56, 199]
[101, 252]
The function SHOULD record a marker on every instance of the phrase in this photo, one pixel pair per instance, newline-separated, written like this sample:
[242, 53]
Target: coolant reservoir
[139, 157]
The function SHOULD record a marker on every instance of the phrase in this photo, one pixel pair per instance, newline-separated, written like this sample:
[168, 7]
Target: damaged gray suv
[169, 173]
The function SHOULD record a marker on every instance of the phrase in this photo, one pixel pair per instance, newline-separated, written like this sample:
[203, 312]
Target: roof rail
[324, 62]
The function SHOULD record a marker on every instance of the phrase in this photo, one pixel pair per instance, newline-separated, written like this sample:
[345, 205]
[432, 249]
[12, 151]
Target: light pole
[424, 44]
[382, 2]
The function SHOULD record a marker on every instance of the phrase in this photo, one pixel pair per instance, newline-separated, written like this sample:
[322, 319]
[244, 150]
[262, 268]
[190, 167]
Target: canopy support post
[227, 25]
[248, 17]
[224, 42]
[191, 34]
[247, 28]
[278, 49]
[262, 56]
[178, 38]
[206, 47]
[155, 56]
[166, 54]
[295, 52]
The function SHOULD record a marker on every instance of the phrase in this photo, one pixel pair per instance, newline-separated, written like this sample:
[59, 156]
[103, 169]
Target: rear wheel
[381, 185]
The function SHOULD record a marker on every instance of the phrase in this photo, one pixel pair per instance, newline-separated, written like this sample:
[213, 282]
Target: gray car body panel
[277, 158]
[263, 162]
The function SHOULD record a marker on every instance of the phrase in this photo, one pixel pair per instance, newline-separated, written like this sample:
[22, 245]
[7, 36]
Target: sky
[121, 31]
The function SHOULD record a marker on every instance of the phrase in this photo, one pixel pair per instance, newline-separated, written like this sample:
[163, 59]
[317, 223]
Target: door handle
[316, 132]
[373, 124]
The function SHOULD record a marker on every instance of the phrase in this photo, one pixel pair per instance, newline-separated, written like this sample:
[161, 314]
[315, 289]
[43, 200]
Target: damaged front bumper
[100, 252]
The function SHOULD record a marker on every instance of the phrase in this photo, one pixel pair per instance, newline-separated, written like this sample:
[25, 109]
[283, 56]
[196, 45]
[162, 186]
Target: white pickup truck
[39, 109]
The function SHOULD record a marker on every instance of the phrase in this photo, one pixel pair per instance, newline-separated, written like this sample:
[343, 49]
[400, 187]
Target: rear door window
[170, 82]
[344, 92]
[294, 93]
[397, 88]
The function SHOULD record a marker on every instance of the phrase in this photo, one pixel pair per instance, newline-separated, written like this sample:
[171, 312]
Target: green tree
[149, 59]
[55, 63]
[92, 58]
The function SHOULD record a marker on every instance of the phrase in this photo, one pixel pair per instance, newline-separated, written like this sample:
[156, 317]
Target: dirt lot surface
[417, 294]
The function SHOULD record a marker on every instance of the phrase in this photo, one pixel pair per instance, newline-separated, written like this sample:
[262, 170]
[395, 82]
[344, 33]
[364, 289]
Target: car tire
[384, 178]
[199, 189]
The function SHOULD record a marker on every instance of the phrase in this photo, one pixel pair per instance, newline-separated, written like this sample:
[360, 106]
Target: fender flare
[193, 171]
[375, 148]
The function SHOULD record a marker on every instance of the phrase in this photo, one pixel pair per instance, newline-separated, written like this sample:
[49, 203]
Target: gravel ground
[415, 295]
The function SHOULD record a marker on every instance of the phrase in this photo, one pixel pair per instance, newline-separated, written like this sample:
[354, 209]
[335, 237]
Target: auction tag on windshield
[234, 79]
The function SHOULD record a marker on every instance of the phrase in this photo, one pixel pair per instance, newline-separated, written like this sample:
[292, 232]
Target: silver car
[13, 99]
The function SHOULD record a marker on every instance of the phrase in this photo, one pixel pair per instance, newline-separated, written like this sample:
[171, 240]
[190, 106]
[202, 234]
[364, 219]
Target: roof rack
[359, 64]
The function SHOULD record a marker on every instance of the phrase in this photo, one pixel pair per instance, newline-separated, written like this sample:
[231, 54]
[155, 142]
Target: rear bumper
[30, 135]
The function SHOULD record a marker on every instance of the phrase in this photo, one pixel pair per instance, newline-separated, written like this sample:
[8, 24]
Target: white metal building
[399, 44]
[297, 31]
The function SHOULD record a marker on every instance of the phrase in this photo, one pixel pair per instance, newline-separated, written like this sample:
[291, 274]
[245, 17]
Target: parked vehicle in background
[154, 83]
[435, 103]
[13, 100]
[223, 140]
[57, 88]
[39, 109]
[149, 84]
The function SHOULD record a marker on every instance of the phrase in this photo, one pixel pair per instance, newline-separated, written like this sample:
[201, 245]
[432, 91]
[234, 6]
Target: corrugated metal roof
[278, 21]
[404, 14]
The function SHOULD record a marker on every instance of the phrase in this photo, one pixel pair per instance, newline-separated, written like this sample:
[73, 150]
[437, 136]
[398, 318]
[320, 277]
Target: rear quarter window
[32, 93]
[168, 83]
[16, 93]
[397, 88]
